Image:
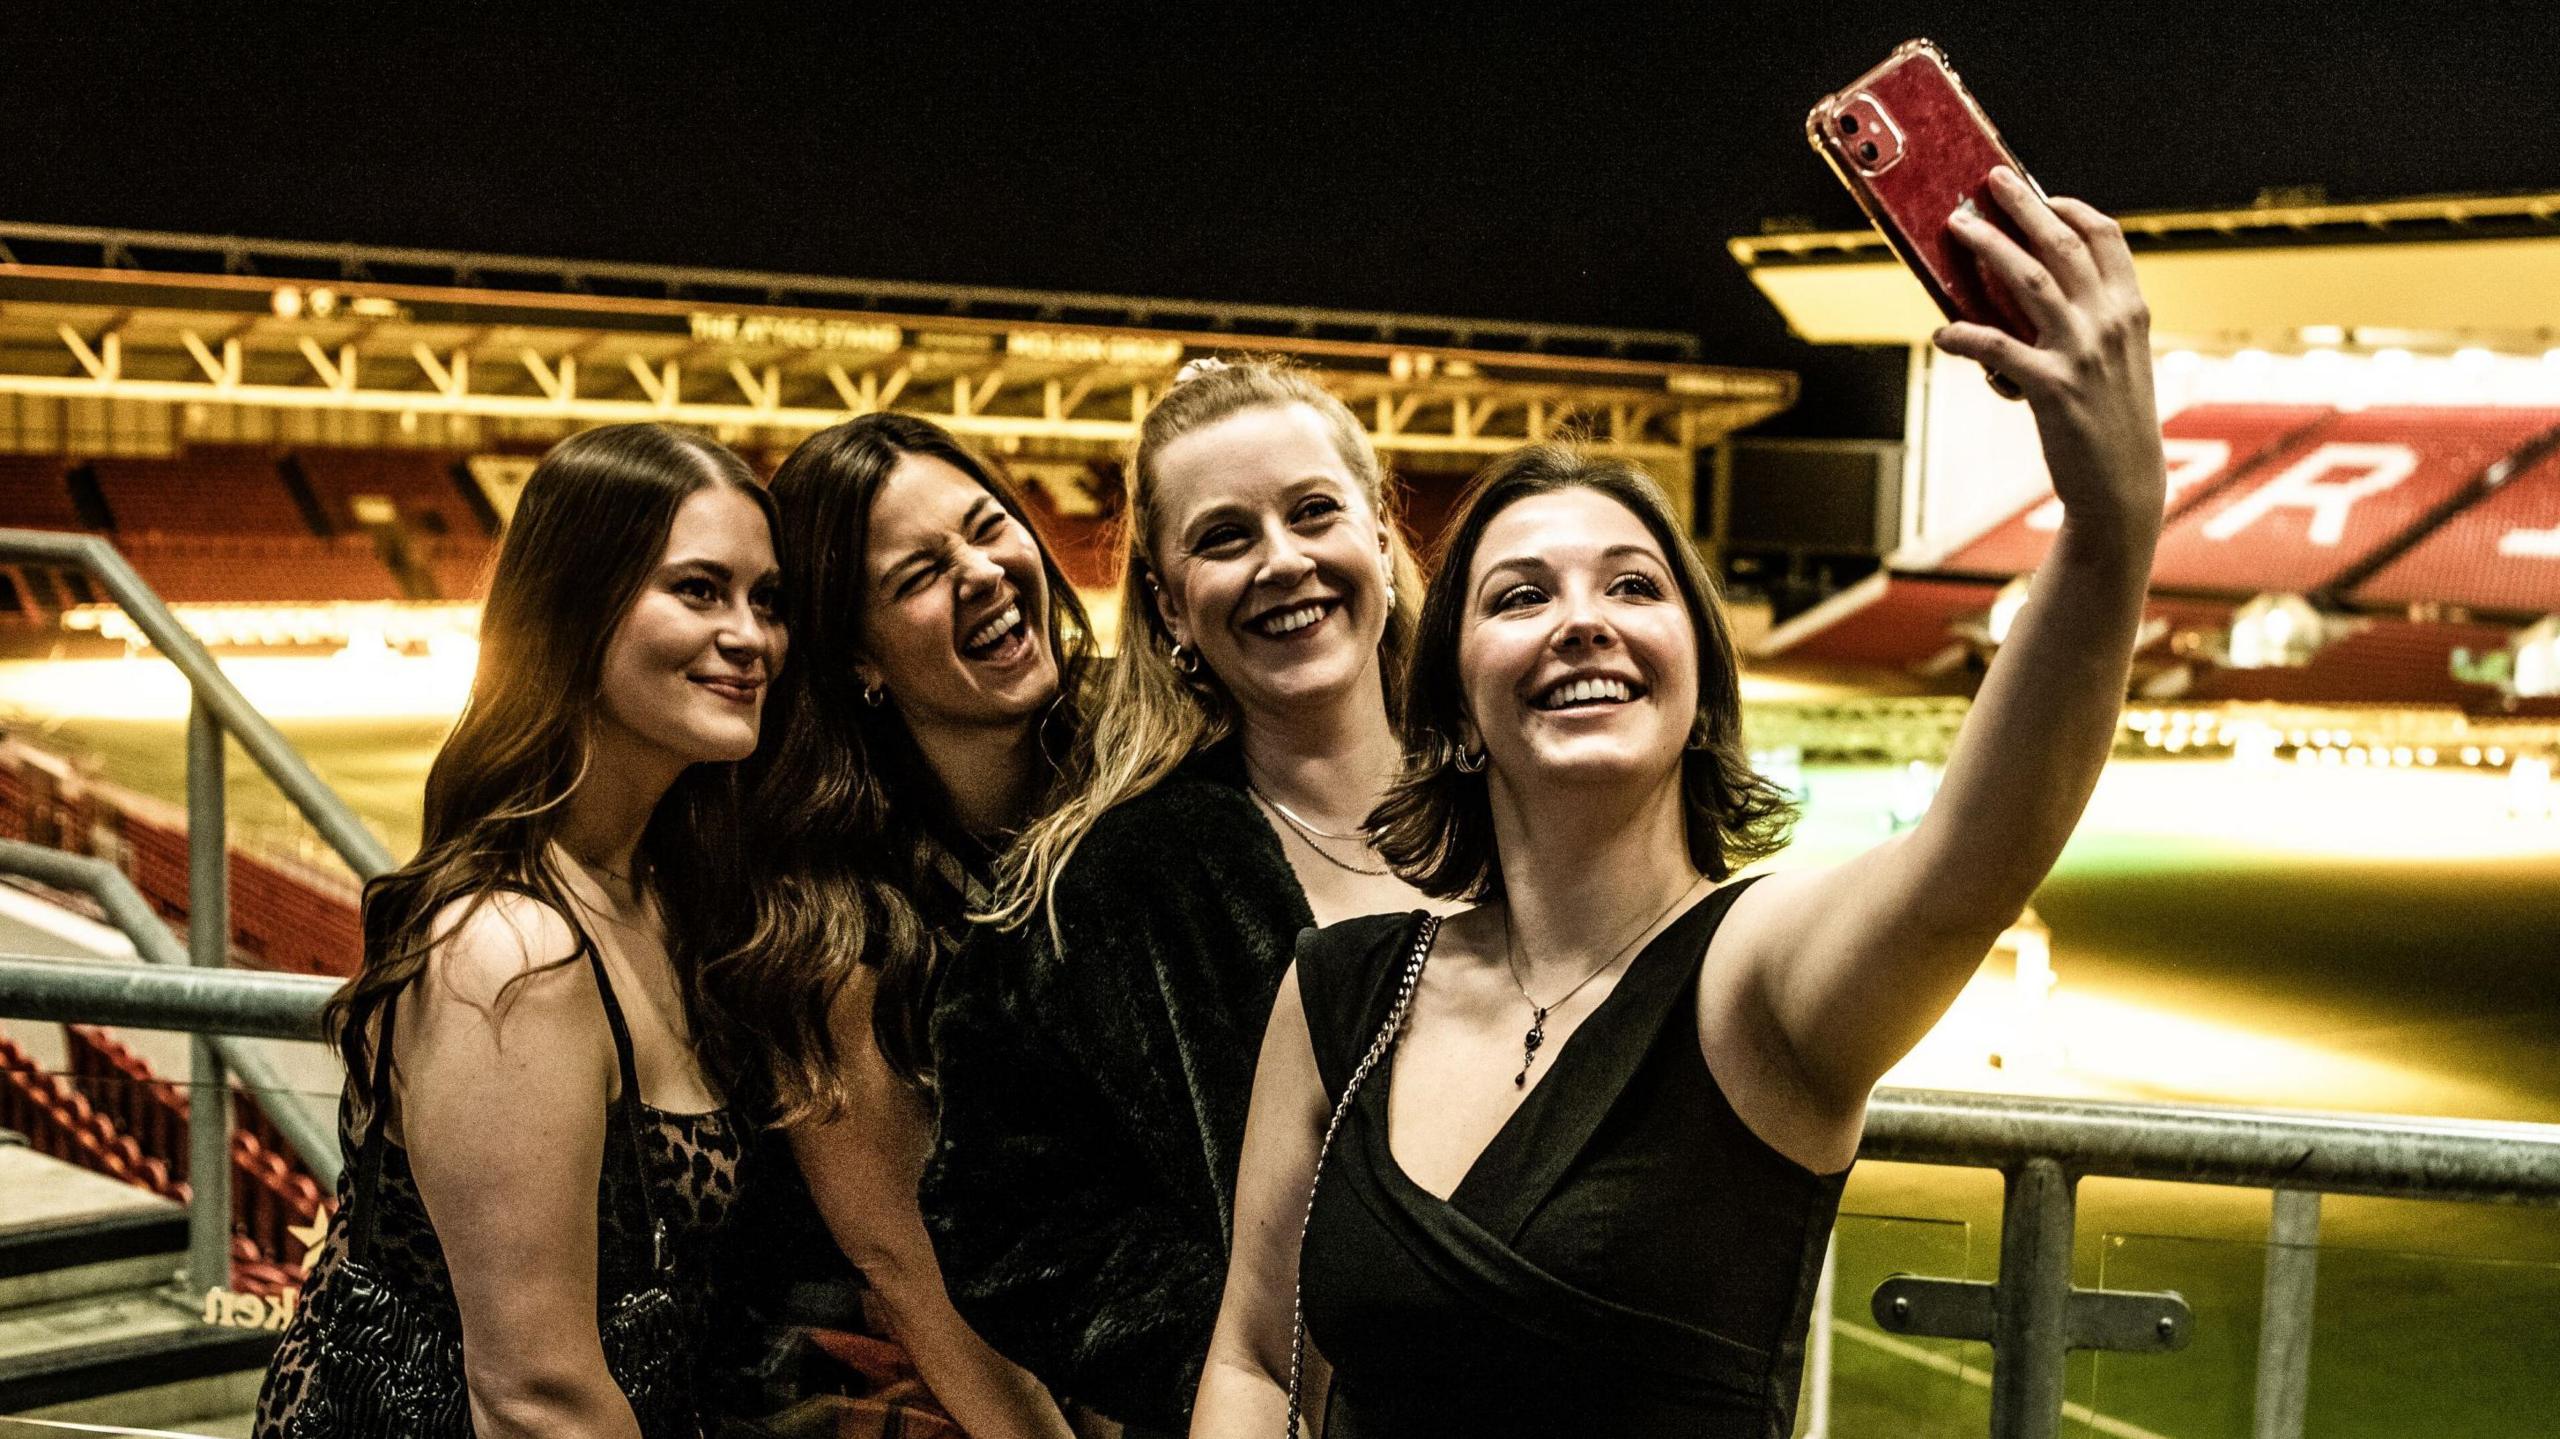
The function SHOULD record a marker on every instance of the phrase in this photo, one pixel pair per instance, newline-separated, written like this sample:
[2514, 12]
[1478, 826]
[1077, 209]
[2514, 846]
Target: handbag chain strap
[1378, 1047]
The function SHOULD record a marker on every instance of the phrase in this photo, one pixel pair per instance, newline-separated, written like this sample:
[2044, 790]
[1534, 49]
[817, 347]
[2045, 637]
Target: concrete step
[222, 1406]
[93, 1328]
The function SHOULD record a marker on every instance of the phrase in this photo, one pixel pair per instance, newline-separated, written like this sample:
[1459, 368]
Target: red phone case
[1935, 153]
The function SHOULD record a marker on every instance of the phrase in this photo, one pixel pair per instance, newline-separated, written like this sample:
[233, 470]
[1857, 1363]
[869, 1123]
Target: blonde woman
[1093, 1091]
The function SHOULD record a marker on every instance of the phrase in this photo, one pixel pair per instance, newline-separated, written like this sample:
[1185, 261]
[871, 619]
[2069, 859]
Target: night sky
[1583, 168]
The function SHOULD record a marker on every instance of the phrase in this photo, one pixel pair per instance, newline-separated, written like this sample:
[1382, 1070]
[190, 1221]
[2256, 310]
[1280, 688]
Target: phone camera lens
[1867, 150]
[1848, 124]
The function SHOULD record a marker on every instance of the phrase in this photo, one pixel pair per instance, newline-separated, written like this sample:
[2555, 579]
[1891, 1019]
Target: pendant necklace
[1538, 1013]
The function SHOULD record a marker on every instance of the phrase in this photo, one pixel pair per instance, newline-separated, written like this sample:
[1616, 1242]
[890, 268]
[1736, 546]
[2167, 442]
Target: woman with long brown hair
[923, 722]
[535, 1159]
[1093, 1095]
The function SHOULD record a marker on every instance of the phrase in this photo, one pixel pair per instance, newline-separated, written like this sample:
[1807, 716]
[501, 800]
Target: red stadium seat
[2307, 519]
[239, 569]
[35, 496]
[2501, 554]
[1891, 620]
[2380, 661]
[2208, 447]
[421, 486]
[206, 492]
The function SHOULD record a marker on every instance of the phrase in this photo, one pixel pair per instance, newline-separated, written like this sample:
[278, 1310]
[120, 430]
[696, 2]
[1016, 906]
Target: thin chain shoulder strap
[1378, 1047]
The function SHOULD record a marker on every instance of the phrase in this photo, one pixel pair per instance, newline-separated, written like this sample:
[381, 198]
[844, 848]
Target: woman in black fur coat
[1093, 1090]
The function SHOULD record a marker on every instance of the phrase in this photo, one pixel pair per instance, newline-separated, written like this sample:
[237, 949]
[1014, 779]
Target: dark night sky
[1585, 167]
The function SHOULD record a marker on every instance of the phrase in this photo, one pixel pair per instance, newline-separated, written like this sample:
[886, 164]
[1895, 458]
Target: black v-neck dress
[1625, 1257]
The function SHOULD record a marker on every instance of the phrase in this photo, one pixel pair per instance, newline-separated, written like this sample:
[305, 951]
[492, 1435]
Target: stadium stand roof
[2479, 266]
[763, 359]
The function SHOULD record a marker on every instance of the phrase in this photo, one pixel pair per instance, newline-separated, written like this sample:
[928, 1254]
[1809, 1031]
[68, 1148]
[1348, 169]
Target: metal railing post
[2030, 1317]
[312, 1135]
[2284, 1325]
[1817, 1379]
[208, 947]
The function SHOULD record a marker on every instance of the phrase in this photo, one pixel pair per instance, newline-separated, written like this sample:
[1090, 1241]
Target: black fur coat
[1081, 1193]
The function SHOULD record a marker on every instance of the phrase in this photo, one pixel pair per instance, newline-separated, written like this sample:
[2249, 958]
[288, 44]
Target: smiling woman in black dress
[1576, 1150]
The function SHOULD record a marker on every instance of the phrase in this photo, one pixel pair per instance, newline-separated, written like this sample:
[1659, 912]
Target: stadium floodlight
[2004, 609]
[2275, 631]
[2537, 659]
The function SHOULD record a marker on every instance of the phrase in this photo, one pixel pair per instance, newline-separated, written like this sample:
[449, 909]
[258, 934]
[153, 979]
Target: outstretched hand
[2087, 377]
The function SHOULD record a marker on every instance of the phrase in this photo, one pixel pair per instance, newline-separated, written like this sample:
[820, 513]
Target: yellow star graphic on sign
[311, 1235]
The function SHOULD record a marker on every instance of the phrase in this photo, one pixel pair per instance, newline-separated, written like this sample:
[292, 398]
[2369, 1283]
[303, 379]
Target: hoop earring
[1186, 660]
[1465, 762]
[875, 695]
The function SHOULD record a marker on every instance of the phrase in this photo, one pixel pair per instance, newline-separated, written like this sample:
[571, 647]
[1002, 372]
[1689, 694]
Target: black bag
[385, 1364]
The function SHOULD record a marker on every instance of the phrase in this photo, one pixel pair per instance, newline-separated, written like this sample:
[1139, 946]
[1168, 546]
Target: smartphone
[1913, 145]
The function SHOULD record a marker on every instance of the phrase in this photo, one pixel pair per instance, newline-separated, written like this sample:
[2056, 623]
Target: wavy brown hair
[588, 531]
[1435, 825]
[850, 822]
[1150, 718]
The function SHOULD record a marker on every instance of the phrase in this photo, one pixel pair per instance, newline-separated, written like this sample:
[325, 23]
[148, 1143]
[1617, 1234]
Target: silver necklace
[1310, 834]
[1537, 1035]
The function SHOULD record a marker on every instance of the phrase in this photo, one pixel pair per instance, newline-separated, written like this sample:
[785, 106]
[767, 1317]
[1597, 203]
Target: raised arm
[1244, 1390]
[863, 1169]
[502, 1108]
[1842, 970]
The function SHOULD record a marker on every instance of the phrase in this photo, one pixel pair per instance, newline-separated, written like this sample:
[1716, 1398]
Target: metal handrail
[274, 755]
[2042, 1146]
[2369, 1154]
[224, 1003]
[216, 709]
[313, 1138]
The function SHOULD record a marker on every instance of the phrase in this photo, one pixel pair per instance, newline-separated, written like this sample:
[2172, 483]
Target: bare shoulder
[1746, 1048]
[485, 944]
[1767, 917]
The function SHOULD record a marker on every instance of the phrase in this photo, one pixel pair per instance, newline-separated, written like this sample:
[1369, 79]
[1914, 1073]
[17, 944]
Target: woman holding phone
[1574, 1153]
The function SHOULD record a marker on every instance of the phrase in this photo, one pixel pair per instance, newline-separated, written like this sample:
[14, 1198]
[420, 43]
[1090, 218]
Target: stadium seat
[2377, 661]
[2209, 446]
[2499, 555]
[205, 492]
[420, 484]
[244, 569]
[35, 495]
[2307, 519]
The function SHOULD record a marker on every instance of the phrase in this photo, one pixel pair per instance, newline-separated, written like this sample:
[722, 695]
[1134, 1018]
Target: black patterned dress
[690, 1161]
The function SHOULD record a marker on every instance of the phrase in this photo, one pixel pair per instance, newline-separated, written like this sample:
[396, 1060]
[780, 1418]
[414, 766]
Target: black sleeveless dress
[1626, 1257]
[689, 1160]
